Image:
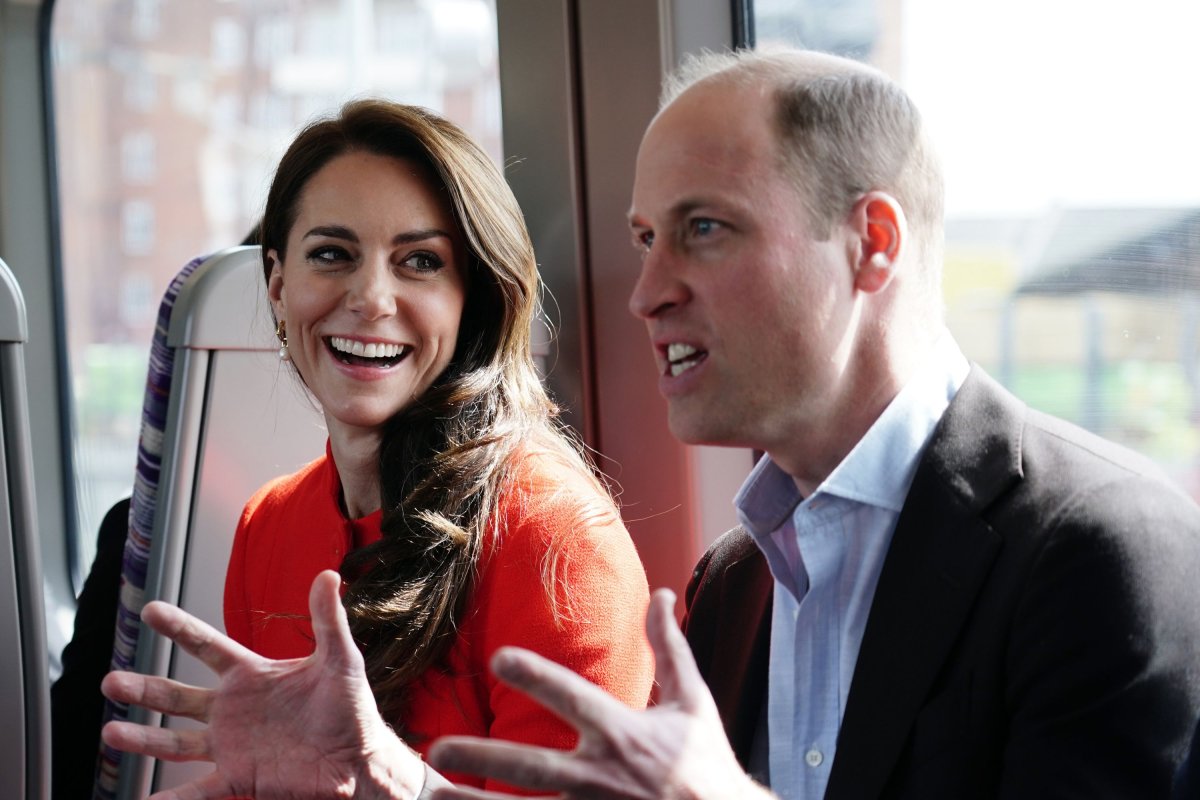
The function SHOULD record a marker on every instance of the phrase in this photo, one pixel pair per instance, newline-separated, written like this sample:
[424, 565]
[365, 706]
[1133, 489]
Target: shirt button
[813, 758]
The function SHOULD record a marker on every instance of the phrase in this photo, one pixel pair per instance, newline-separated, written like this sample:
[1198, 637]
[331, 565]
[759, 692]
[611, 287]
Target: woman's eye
[424, 262]
[328, 255]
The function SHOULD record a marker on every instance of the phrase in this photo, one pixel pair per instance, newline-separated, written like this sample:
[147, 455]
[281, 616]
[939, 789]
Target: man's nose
[659, 286]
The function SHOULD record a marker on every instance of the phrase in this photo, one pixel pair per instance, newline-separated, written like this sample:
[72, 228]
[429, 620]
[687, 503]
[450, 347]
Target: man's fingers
[574, 698]
[212, 786]
[538, 768]
[468, 793]
[158, 694]
[675, 670]
[330, 626]
[194, 635]
[160, 743]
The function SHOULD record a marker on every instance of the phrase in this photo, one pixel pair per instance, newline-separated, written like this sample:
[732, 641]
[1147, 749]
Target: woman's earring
[281, 335]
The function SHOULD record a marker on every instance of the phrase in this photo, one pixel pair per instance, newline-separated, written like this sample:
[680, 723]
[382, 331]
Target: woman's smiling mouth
[366, 354]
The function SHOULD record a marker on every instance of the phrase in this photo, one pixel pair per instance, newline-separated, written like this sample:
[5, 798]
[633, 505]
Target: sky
[1042, 103]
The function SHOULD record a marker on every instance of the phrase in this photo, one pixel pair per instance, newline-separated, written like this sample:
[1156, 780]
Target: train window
[1072, 265]
[170, 117]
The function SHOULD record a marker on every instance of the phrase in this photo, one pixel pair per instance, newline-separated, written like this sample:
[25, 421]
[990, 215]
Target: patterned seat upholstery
[141, 516]
[220, 418]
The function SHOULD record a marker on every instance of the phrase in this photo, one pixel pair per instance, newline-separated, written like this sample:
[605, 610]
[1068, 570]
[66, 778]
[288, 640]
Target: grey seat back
[24, 668]
[235, 418]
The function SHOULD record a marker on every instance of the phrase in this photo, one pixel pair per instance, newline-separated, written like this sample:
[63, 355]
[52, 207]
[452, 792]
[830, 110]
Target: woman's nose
[373, 294]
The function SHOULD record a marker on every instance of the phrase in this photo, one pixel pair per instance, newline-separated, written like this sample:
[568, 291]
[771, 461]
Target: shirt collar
[881, 466]
[767, 498]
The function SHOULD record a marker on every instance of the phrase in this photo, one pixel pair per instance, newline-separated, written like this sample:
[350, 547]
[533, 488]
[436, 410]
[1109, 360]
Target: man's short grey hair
[844, 129]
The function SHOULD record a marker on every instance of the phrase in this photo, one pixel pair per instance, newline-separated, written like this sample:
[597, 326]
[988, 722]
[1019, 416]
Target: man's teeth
[678, 356]
[372, 350]
[678, 352]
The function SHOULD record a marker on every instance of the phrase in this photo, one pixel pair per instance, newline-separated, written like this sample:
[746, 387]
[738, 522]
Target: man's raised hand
[676, 749]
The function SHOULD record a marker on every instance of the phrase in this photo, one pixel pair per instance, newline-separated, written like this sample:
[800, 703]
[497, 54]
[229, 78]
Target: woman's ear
[879, 223]
[275, 291]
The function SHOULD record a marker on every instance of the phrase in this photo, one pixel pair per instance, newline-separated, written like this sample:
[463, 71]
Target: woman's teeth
[373, 350]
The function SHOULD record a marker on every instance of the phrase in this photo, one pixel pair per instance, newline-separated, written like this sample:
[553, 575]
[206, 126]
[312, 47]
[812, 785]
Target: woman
[404, 286]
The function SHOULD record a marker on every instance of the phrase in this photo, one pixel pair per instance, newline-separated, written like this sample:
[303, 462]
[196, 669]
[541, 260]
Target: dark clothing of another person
[1035, 631]
[76, 705]
[1187, 783]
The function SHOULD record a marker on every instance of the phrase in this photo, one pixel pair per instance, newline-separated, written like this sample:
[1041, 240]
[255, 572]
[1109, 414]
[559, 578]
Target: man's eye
[642, 241]
[704, 226]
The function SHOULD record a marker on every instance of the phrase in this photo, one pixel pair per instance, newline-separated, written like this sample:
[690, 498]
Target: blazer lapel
[940, 555]
[741, 658]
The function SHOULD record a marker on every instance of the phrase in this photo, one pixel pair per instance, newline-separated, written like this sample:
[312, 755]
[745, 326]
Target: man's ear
[881, 230]
[275, 285]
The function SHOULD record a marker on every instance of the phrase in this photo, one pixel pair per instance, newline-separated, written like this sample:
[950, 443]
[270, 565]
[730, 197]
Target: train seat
[222, 416]
[24, 668]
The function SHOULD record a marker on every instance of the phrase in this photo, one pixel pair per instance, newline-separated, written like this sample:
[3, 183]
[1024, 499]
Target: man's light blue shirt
[825, 553]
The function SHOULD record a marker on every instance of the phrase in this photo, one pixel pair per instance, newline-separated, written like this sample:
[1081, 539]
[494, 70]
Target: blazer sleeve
[1105, 646]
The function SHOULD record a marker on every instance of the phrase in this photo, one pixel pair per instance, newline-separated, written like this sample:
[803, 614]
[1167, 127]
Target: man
[938, 593]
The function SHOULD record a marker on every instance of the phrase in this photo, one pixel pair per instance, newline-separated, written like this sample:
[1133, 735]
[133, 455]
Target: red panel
[619, 98]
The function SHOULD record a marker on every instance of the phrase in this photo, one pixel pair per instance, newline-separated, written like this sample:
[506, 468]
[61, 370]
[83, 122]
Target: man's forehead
[700, 144]
[722, 108]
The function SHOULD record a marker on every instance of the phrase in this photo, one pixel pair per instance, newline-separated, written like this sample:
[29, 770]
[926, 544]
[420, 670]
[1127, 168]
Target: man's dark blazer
[1035, 631]
[1187, 781]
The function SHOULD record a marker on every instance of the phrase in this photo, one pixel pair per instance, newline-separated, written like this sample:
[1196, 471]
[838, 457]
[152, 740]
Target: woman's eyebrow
[420, 235]
[408, 237]
[332, 231]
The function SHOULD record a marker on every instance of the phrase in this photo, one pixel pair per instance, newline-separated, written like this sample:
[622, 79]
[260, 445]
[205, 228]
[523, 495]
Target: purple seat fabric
[141, 518]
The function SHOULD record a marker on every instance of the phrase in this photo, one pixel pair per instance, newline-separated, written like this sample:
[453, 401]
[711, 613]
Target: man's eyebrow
[680, 209]
[408, 237]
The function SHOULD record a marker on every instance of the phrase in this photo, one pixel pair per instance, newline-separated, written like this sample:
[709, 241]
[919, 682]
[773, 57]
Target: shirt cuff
[433, 780]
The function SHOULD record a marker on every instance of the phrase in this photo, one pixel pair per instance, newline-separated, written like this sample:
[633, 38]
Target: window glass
[1072, 267]
[171, 116]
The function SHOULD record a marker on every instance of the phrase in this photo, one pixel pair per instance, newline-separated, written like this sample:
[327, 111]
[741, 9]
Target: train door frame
[574, 110]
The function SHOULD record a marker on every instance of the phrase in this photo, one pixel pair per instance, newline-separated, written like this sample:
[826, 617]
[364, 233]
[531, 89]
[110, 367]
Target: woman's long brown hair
[445, 460]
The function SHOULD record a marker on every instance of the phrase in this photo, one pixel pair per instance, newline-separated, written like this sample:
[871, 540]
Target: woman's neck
[356, 457]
